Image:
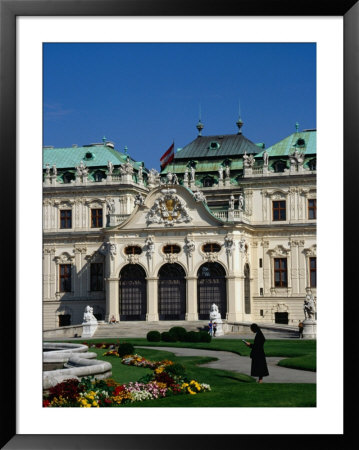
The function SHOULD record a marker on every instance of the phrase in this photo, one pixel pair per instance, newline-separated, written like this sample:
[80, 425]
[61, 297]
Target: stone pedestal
[310, 329]
[88, 329]
[219, 329]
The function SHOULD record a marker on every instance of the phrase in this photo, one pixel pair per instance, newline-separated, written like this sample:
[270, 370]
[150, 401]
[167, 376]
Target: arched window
[133, 293]
[67, 177]
[99, 175]
[312, 164]
[211, 288]
[207, 182]
[171, 292]
[279, 166]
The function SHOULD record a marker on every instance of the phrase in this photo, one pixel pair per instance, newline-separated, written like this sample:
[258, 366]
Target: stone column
[235, 298]
[152, 299]
[192, 307]
[112, 298]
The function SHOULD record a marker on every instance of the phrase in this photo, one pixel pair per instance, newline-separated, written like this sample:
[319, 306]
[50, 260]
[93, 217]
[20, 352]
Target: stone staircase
[141, 328]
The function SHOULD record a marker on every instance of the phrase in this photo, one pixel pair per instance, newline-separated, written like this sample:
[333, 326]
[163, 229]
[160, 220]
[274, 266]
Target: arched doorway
[133, 293]
[171, 292]
[211, 288]
[247, 289]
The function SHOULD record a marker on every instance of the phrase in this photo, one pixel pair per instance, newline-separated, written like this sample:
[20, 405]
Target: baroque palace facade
[226, 222]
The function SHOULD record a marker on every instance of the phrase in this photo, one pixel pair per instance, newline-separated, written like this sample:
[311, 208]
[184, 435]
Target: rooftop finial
[104, 139]
[125, 149]
[296, 127]
[239, 121]
[199, 125]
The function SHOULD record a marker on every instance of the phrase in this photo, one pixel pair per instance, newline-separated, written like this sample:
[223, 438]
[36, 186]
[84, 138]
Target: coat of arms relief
[169, 209]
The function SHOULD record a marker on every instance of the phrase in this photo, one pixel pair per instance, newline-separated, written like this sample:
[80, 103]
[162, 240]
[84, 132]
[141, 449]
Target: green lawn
[229, 389]
[301, 353]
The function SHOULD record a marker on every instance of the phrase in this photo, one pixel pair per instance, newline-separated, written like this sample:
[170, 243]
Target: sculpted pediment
[171, 207]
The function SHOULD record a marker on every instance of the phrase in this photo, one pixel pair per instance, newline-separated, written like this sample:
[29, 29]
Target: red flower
[118, 389]
[46, 403]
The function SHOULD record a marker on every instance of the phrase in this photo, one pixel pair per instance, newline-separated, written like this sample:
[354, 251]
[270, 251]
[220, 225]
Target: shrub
[178, 332]
[166, 336]
[154, 336]
[125, 349]
[176, 369]
[192, 336]
[204, 336]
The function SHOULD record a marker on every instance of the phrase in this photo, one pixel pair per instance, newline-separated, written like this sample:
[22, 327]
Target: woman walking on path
[259, 364]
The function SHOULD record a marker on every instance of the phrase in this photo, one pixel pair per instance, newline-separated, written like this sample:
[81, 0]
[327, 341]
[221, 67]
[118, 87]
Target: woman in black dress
[259, 365]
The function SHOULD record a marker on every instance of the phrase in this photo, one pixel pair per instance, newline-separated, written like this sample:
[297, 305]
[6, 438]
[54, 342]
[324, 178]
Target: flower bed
[88, 393]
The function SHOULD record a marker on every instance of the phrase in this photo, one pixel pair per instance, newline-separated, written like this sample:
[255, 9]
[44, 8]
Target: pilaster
[152, 296]
[192, 304]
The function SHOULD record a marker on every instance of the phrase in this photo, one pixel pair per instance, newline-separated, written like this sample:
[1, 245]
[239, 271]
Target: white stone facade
[247, 239]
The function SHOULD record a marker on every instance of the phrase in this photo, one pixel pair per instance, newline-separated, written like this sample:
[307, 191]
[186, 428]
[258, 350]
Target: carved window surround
[64, 258]
[309, 253]
[280, 252]
[270, 195]
[210, 256]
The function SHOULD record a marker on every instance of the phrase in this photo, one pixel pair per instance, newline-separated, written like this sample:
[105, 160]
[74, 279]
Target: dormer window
[300, 142]
[89, 155]
[214, 145]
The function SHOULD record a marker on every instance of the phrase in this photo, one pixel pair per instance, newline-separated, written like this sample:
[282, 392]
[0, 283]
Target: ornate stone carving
[139, 199]
[265, 158]
[240, 202]
[242, 246]
[153, 178]
[133, 259]
[199, 196]
[150, 246]
[279, 250]
[296, 158]
[169, 209]
[248, 161]
[189, 246]
[229, 244]
[211, 257]
[64, 258]
[171, 257]
[110, 203]
[126, 168]
[110, 167]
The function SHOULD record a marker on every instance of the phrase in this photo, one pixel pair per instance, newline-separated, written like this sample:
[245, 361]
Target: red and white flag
[167, 157]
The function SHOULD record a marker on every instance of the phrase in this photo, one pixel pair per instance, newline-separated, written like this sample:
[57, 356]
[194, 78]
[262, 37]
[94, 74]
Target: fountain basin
[62, 361]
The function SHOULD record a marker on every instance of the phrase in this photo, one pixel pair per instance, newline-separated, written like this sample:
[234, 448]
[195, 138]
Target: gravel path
[236, 363]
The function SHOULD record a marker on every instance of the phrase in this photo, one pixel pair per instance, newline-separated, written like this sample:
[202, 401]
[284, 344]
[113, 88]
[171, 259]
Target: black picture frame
[9, 10]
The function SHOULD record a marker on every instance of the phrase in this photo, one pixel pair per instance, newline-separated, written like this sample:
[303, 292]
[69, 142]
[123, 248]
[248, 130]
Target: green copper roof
[92, 156]
[217, 146]
[304, 141]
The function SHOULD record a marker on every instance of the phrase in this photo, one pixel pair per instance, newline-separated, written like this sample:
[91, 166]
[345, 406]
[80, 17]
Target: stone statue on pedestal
[216, 319]
[89, 324]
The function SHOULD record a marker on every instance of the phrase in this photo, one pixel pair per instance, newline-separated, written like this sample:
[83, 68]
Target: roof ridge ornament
[239, 122]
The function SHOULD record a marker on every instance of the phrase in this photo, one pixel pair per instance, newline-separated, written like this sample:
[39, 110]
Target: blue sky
[144, 96]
